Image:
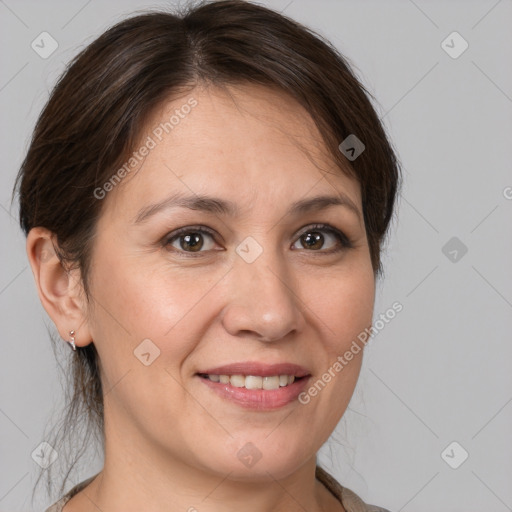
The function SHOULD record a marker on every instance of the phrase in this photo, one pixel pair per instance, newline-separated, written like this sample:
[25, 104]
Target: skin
[169, 439]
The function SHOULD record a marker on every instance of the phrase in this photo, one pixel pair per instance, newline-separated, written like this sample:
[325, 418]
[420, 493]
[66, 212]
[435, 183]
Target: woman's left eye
[312, 238]
[191, 240]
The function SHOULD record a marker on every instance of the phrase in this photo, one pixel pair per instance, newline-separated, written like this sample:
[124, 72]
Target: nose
[262, 300]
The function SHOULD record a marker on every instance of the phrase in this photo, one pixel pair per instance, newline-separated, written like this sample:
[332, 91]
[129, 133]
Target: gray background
[441, 370]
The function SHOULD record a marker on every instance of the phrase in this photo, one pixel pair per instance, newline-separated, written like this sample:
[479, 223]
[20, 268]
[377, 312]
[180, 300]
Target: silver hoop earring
[72, 340]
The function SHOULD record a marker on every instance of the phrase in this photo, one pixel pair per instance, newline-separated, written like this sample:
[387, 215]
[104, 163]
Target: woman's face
[253, 284]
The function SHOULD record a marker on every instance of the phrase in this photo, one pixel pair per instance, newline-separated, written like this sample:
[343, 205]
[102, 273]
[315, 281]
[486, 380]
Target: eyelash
[345, 242]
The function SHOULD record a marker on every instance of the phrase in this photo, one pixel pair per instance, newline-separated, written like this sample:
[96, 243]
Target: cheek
[343, 301]
[343, 308]
[136, 302]
[343, 305]
[139, 310]
[146, 299]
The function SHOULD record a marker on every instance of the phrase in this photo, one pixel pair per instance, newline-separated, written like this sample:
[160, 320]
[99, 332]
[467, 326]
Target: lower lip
[258, 399]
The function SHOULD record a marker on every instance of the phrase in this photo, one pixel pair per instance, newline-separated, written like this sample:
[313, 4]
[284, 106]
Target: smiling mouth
[268, 383]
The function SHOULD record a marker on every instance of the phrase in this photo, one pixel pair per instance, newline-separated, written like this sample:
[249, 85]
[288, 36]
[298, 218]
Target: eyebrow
[218, 206]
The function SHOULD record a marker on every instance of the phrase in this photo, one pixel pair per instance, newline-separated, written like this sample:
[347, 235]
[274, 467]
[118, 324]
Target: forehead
[247, 143]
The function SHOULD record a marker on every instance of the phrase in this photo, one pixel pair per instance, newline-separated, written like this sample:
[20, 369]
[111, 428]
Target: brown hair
[96, 111]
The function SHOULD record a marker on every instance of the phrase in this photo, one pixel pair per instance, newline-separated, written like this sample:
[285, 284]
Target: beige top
[349, 499]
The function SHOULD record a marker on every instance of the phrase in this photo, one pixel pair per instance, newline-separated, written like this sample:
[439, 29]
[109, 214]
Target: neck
[133, 483]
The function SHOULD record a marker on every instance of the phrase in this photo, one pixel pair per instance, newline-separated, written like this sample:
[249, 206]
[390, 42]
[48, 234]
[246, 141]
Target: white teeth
[271, 382]
[254, 381]
[237, 380]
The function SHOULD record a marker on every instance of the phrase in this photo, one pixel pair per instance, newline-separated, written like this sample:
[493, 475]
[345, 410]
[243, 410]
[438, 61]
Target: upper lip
[258, 369]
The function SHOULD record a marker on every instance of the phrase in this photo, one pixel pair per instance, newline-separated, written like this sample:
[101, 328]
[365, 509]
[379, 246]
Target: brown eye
[312, 240]
[315, 238]
[194, 242]
[190, 240]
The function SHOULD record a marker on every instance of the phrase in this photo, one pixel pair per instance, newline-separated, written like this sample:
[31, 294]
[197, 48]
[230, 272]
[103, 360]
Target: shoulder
[349, 499]
[59, 505]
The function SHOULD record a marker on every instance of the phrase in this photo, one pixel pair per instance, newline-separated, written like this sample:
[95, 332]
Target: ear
[59, 289]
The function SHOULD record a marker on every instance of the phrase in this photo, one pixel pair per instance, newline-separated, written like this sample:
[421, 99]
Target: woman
[205, 198]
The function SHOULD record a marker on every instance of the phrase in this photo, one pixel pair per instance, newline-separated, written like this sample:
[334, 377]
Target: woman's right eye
[189, 240]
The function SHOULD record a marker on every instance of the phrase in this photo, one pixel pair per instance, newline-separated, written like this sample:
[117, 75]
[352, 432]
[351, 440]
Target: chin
[260, 460]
